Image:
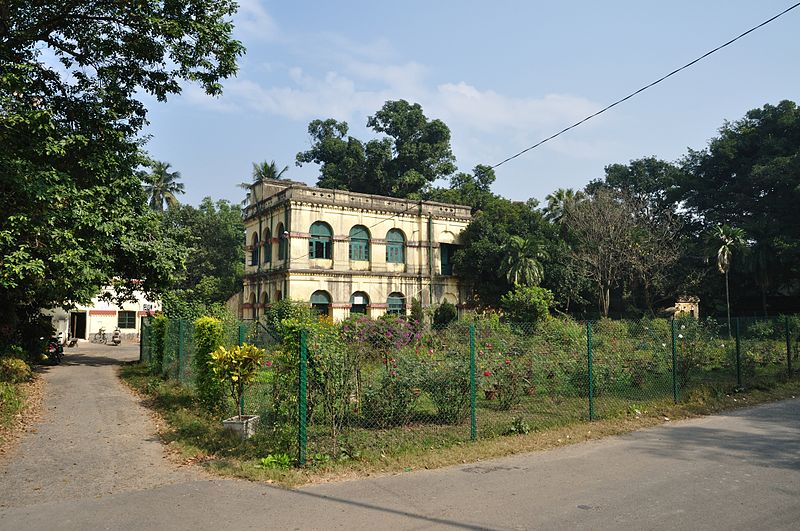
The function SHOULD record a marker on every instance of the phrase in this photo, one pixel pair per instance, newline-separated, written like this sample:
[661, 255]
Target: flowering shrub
[388, 334]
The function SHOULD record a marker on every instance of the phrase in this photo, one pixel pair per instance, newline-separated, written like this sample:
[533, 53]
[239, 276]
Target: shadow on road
[389, 510]
[772, 439]
[90, 360]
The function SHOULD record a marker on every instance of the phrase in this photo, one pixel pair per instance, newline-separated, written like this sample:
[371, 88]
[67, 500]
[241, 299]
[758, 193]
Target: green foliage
[273, 461]
[518, 427]
[11, 402]
[213, 233]
[74, 214]
[472, 189]
[161, 185]
[279, 313]
[332, 382]
[236, 368]
[417, 312]
[384, 335]
[415, 153]
[390, 401]
[158, 343]
[527, 304]
[480, 261]
[747, 177]
[444, 314]
[14, 370]
[208, 336]
[446, 382]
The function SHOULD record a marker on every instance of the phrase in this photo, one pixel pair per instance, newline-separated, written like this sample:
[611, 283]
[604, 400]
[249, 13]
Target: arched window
[359, 243]
[396, 303]
[395, 247]
[321, 302]
[281, 242]
[358, 303]
[264, 299]
[253, 307]
[254, 254]
[321, 243]
[267, 241]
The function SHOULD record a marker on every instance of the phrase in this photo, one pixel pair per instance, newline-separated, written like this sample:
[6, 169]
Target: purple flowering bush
[385, 336]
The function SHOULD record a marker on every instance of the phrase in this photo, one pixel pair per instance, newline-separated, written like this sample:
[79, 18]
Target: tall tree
[161, 186]
[560, 201]
[214, 234]
[73, 214]
[479, 261]
[262, 171]
[603, 229]
[415, 153]
[725, 240]
[749, 177]
[472, 189]
[521, 261]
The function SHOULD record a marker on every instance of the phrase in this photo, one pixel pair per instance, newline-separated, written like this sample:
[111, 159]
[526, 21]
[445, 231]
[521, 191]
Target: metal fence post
[738, 356]
[241, 334]
[788, 347]
[591, 376]
[181, 351]
[674, 362]
[473, 421]
[142, 332]
[301, 402]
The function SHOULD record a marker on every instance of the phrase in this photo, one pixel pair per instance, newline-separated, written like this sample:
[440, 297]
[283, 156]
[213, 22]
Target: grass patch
[12, 401]
[554, 420]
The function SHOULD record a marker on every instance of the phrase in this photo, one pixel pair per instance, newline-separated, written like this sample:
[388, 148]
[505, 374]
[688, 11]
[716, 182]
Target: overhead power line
[656, 82]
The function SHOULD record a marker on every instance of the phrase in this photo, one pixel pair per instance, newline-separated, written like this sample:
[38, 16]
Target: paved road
[734, 471]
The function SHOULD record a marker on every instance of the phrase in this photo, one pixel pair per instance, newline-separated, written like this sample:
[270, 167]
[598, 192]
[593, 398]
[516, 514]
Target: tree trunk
[605, 295]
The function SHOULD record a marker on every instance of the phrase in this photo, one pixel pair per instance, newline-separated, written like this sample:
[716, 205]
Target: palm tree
[161, 185]
[521, 261]
[725, 240]
[262, 171]
[560, 201]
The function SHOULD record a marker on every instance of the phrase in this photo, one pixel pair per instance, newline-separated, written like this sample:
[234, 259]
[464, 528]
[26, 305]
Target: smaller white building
[84, 322]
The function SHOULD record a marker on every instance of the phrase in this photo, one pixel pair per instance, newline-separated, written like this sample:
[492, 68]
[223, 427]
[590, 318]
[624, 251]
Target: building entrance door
[77, 325]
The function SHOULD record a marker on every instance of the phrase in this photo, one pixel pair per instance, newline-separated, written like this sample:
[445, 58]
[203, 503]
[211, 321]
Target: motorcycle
[116, 337]
[55, 350]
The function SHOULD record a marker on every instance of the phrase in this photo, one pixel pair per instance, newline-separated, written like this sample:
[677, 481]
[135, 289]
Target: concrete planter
[244, 426]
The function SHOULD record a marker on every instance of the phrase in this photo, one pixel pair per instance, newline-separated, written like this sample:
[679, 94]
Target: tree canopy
[415, 152]
[73, 214]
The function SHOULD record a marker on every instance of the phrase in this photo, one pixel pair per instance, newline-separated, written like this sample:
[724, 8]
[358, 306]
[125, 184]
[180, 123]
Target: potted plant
[236, 368]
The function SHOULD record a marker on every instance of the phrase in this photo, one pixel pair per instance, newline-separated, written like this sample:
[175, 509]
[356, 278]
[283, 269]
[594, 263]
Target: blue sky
[501, 74]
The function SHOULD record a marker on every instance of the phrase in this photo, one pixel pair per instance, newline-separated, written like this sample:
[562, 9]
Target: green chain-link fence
[381, 387]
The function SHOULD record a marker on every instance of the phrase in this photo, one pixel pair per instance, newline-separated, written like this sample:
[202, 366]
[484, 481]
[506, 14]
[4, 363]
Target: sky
[501, 74]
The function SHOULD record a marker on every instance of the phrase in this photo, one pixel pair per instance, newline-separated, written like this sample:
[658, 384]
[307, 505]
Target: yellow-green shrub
[14, 370]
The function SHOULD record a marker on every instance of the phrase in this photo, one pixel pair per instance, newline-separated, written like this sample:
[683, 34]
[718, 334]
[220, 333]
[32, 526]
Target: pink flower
[269, 363]
[487, 373]
[508, 362]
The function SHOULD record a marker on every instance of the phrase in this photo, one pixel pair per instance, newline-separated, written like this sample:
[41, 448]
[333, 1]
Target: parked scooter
[116, 337]
[55, 350]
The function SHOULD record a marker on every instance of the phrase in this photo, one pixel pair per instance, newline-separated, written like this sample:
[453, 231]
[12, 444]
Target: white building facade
[86, 321]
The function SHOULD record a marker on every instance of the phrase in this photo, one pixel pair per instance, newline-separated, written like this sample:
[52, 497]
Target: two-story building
[348, 253]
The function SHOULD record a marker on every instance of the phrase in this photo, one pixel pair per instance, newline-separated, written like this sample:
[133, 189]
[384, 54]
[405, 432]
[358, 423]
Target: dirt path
[93, 438]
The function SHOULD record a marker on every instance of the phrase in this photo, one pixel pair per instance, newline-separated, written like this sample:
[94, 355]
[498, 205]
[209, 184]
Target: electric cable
[656, 82]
